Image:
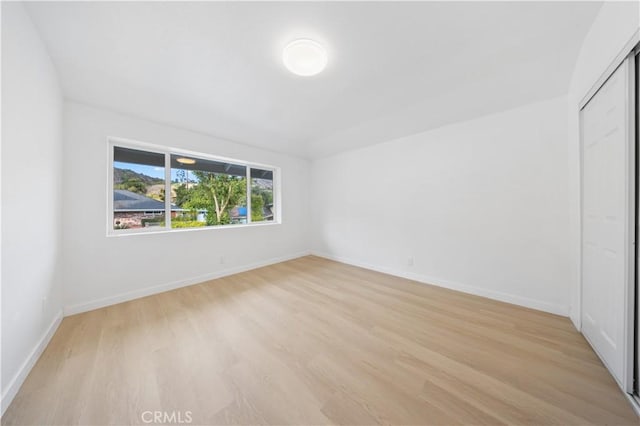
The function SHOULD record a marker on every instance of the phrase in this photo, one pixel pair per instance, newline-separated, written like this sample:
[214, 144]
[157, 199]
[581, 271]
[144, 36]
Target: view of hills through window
[203, 192]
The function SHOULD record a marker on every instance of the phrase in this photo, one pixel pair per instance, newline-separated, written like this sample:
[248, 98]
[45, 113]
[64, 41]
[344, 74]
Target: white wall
[481, 206]
[614, 26]
[31, 197]
[101, 270]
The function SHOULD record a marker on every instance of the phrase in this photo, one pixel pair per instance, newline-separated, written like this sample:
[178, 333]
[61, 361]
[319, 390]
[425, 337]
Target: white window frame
[113, 142]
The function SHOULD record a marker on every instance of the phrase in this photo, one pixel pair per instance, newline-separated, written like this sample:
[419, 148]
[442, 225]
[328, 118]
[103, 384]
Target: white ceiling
[394, 68]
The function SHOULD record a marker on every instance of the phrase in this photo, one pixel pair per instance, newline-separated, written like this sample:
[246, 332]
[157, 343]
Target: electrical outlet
[222, 260]
[410, 261]
[44, 303]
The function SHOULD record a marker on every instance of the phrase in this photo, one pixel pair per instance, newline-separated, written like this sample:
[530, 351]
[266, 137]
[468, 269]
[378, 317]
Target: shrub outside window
[158, 189]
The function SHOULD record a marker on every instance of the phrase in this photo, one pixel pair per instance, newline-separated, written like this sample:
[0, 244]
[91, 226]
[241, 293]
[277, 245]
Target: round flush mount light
[304, 57]
[183, 160]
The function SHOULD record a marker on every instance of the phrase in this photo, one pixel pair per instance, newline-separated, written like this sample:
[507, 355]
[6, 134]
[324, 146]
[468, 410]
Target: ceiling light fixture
[304, 57]
[183, 160]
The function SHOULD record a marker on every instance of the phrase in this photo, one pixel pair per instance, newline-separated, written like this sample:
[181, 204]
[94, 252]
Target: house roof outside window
[127, 201]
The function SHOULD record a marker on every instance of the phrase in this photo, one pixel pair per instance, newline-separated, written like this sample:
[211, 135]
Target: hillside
[125, 175]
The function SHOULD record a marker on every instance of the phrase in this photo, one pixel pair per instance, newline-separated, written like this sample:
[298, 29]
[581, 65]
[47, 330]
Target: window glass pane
[207, 192]
[261, 195]
[138, 189]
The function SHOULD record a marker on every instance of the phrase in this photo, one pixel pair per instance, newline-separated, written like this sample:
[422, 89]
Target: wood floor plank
[311, 341]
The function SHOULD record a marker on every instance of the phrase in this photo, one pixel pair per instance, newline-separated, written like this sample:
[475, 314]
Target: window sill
[148, 231]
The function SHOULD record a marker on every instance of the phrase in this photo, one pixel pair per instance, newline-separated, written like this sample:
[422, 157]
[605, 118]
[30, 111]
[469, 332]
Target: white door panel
[606, 214]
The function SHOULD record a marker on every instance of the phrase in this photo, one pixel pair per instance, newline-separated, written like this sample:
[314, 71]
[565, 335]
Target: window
[207, 192]
[155, 188]
[138, 188]
[261, 195]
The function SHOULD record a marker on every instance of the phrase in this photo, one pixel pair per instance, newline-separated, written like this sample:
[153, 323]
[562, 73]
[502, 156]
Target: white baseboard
[17, 380]
[635, 404]
[465, 288]
[148, 291]
[576, 320]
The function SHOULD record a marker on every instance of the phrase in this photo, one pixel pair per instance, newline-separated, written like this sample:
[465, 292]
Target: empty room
[318, 213]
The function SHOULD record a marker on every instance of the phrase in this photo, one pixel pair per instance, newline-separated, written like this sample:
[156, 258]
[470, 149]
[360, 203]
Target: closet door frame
[626, 58]
[635, 129]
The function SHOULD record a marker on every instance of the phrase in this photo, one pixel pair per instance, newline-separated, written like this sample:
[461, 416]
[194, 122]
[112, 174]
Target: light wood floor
[312, 341]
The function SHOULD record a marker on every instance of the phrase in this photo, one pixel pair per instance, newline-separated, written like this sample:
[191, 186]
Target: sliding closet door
[608, 167]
